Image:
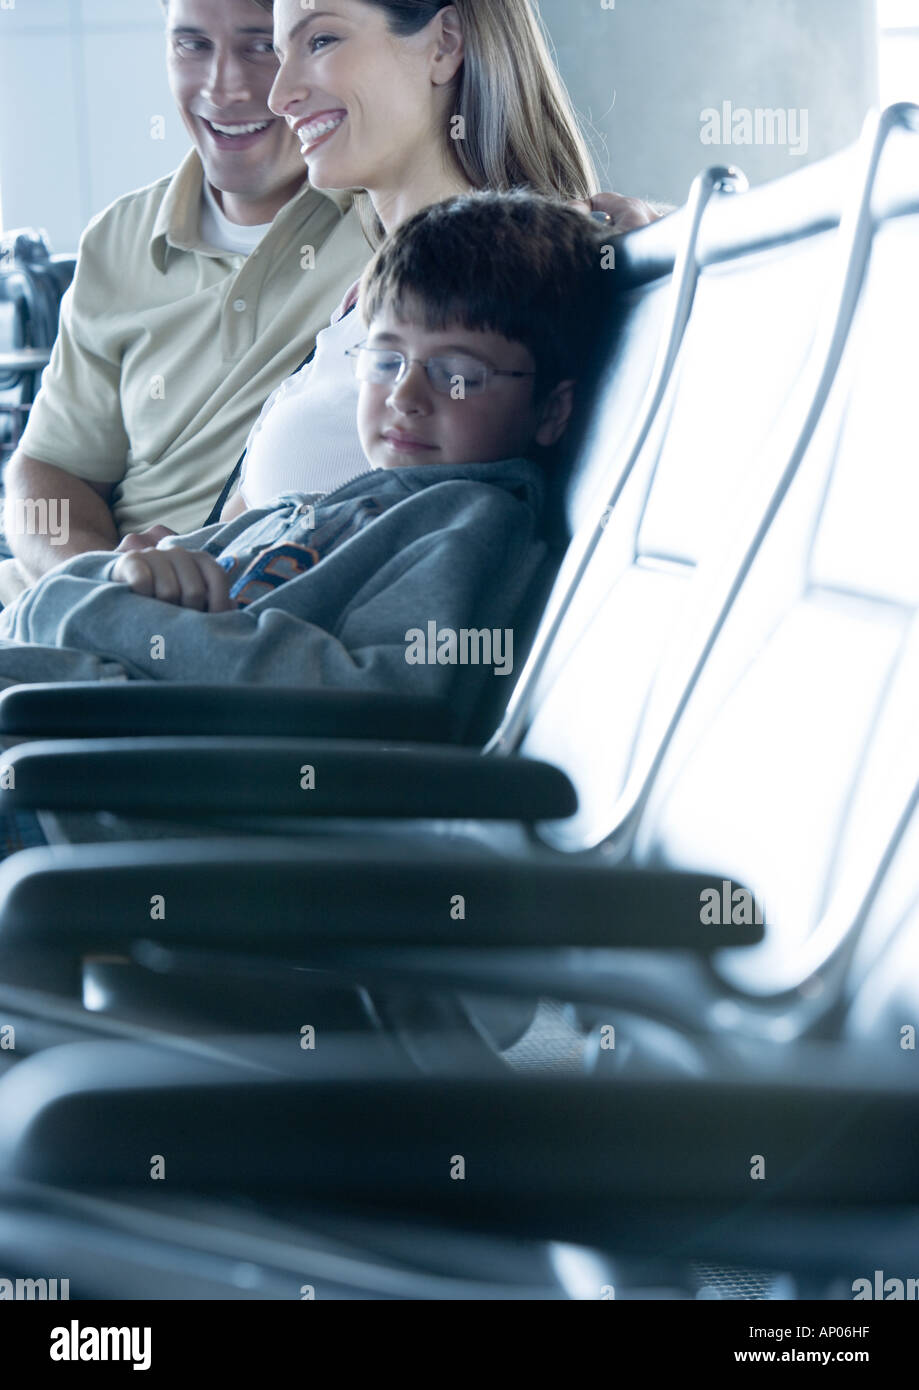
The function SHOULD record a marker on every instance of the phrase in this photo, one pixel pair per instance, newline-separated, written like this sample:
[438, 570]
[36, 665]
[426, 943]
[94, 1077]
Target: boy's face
[411, 422]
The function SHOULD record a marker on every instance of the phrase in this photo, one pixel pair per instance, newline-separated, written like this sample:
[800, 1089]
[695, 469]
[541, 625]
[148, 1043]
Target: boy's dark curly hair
[527, 267]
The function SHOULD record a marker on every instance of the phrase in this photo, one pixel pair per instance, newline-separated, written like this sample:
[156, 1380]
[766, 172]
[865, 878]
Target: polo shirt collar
[178, 222]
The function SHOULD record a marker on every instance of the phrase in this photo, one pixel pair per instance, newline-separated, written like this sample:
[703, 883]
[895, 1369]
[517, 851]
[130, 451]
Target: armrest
[281, 777]
[88, 709]
[93, 1113]
[344, 893]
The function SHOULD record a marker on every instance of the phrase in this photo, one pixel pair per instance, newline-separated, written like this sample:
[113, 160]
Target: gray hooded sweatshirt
[405, 580]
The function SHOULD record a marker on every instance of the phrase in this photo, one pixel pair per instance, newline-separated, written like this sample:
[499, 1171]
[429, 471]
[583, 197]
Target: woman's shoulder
[327, 352]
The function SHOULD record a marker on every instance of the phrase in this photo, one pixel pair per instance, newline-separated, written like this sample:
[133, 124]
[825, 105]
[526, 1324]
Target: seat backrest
[641, 316]
[799, 748]
[743, 388]
[653, 285]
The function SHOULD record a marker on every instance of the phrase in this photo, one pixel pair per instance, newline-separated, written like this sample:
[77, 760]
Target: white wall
[81, 82]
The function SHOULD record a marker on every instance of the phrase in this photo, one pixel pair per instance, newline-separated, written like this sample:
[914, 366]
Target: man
[193, 299]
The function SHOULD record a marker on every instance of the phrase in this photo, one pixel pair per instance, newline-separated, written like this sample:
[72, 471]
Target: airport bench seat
[554, 726]
[590, 1157]
[590, 714]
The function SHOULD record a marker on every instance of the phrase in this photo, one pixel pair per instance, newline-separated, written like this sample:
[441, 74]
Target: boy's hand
[187, 578]
[142, 540]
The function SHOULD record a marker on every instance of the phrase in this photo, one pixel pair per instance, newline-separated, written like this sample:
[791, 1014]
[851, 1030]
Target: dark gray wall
[644, 71]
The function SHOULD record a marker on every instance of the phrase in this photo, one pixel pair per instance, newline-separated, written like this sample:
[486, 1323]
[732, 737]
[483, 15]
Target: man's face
[221, 67]
[411, 422]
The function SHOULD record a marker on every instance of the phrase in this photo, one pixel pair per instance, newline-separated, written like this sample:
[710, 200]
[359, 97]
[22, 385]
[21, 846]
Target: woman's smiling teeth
[309, 134]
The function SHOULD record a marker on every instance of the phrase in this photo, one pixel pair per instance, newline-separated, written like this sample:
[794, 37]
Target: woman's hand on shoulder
[625, 214]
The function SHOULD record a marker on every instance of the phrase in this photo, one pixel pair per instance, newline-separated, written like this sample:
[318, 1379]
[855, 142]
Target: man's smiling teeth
[239, 129]
[309, 133]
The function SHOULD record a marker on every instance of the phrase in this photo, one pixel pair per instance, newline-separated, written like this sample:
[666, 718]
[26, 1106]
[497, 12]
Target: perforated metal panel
[726, 1281]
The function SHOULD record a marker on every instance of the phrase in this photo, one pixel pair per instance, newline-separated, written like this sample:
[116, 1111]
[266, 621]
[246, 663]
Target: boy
[482, 313]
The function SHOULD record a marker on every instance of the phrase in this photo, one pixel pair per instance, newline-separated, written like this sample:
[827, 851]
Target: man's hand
[187, 578]
[144, 540]
[625, 214]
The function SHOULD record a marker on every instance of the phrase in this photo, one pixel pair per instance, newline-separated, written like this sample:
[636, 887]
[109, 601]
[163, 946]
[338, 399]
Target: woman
[412, 101]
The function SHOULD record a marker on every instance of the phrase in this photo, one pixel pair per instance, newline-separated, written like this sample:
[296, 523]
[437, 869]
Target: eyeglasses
[455, 375]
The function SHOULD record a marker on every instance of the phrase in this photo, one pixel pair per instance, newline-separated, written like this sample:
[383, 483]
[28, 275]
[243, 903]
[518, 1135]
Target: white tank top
[305, 439]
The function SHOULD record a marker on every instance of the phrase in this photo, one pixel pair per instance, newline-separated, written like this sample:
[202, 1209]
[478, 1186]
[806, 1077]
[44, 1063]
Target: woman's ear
[450, 49]
[554, 414]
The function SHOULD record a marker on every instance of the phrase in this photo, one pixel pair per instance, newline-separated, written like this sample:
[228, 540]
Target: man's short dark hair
[518, 264]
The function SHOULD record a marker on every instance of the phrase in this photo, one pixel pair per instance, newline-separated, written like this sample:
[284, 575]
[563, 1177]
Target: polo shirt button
[239, 305]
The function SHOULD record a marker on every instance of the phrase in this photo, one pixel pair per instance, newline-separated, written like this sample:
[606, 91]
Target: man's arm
[51, 515]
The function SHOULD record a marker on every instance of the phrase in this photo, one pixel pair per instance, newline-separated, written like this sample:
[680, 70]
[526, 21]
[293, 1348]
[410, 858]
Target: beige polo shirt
[169, 347]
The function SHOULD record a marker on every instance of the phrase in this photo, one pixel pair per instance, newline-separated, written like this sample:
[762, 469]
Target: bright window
[899, 50]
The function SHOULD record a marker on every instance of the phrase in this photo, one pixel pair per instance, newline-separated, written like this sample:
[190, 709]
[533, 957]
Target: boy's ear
[554, 414]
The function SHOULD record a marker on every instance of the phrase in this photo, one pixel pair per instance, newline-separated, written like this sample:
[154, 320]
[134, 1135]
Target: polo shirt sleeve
[76, 423]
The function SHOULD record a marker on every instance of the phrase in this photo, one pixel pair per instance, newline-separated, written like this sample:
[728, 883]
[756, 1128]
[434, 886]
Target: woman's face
[368, 107]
